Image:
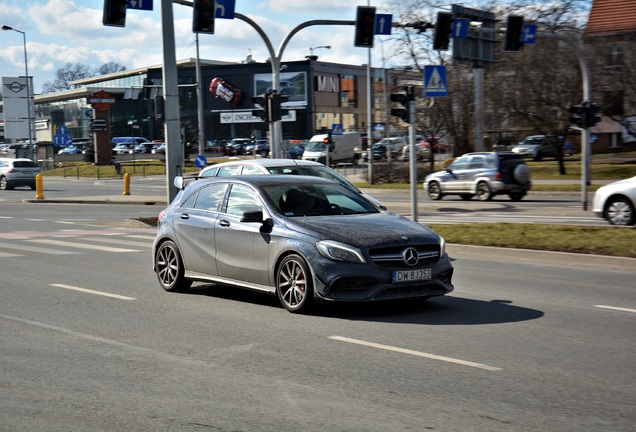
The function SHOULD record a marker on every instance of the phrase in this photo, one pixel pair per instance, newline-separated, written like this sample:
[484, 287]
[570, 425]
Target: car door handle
[184, 216]
[224, 223]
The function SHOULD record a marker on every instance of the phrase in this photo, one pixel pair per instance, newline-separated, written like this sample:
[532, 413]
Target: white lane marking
[8, 255]
[616, 308]
[143, 237]
[89, 291]
[37, 249]
[118, 241]
[82, 246]
[415, 353]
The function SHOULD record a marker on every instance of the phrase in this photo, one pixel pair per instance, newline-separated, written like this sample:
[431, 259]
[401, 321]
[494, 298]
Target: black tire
[294, 284]
[466, 197]
[538, 157]
[264, 154]
[620, 211]
[516, 196]
[4, 184]
[484, 193]
[169, 268]
[434, 191]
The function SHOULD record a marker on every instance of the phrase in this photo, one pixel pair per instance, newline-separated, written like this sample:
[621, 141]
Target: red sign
[101, 100]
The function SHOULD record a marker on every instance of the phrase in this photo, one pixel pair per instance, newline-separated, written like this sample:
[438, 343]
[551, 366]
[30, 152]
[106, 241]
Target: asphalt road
[90, 342]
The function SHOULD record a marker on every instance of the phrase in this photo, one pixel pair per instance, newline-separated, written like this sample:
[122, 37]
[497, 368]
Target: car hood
[620, 183]
[388, 229]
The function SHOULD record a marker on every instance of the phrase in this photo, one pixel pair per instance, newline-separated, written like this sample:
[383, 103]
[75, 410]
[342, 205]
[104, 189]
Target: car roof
[261, 180]
[267, 163]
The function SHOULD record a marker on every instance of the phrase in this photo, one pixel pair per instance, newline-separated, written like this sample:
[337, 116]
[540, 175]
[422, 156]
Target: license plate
[411, 275]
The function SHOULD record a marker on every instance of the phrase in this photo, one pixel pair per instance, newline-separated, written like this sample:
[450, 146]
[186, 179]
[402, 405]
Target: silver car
[17, 172]
[304, 239]
[281, 166]
[616, 202]
[536, 147]
[484, 175]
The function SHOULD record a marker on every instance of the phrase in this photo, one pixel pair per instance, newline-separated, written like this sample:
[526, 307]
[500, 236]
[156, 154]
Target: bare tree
[76, 71]
[110, 67]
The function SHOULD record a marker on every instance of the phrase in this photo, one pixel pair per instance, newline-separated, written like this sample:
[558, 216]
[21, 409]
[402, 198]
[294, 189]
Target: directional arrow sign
[225, 9]
[529, 33]
[460, 28]
[383, 24]
[140, 4]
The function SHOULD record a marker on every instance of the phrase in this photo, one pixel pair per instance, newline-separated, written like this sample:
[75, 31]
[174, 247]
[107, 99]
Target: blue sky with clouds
[63, 31]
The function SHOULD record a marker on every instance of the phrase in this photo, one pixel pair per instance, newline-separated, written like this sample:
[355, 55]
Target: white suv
[17, 172]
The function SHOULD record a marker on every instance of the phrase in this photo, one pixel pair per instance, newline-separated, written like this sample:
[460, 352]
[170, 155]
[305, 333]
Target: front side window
[242, 199]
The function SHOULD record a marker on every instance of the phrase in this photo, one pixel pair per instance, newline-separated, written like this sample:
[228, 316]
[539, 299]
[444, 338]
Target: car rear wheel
[169, 268]
[434, 191]
[620, 211]
[483, 191]
[294, 285]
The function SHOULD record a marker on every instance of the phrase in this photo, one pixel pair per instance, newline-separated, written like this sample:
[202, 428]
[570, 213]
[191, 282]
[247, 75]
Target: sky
[66, 31]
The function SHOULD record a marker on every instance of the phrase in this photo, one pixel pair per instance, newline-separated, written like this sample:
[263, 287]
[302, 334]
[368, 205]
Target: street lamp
[311, 55]
[28, 86]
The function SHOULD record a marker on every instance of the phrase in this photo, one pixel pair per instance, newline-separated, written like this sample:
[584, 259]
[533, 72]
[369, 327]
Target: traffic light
[443, 30]
[328, 141]
[514, 29]
[365, 27]
[203, 17]
[276, 111]
[402, 110]
[261, 111]
[577, 116]
[115, 13]
[592, 114]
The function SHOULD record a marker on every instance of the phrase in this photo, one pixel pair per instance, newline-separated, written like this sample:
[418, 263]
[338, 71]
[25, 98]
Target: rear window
[24, 164]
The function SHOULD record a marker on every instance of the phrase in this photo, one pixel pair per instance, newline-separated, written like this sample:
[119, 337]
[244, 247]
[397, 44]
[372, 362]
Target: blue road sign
[460, 28]
[383, 23]
[62, 130]
[225, 9]
[435, 81]
[140, 4]
[529, 34]
[337, 129]
[201, 161]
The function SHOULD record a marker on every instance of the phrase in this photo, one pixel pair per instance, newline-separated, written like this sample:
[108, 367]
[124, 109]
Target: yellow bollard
[39, 187]
[126, 184]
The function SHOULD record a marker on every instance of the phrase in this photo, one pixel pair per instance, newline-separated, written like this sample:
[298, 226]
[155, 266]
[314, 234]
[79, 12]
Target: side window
[250, 170]
[209, 172]
[229, 171]
[460, 164]
[477, 162]
[242, 199]
[211, 197]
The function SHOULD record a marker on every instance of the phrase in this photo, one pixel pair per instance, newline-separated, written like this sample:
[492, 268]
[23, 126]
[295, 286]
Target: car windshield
[314, 171]
[25, 164]
[315, 146]
[533, 141]
[316, 200]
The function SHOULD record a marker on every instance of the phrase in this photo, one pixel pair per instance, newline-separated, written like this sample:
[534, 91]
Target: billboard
[292, 84]
[16, 107]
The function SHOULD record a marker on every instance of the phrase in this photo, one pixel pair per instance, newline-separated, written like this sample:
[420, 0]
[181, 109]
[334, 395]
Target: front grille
[392, 257]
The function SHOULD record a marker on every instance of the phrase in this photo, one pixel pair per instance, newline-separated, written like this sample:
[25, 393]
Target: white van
[345, 148]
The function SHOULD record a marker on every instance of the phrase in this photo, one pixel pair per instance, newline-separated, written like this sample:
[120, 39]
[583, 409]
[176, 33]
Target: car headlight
[340, 252]
[442, 246]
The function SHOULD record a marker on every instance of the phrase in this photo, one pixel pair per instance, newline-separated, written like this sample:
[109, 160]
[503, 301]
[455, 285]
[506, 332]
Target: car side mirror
[253, 216]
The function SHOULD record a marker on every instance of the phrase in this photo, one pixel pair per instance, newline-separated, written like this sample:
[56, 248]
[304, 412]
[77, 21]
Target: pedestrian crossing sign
[337, 129]
[435, 81]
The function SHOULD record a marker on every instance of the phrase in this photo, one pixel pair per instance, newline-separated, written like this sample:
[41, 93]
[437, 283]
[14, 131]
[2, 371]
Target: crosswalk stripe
[118, 241]
[37, 249]
[82, 245]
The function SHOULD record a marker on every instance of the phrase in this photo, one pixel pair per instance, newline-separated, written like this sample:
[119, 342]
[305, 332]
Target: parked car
[128, 140]
[260, 147]
[296, 151]
[120, 149]
[146, 147]
[306, 240]
[237, 146]
[382, 149]
[616, 202]
[17, 172]
[281, 166]
[422, 152]
[483, 174]
[537, 147]
[161, 148]
[72, 150]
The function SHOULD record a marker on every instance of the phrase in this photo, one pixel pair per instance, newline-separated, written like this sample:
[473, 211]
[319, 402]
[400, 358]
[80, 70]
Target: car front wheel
[169, 268]
[294, 284]
[434, 191]
[4, 185]
[620, 211]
